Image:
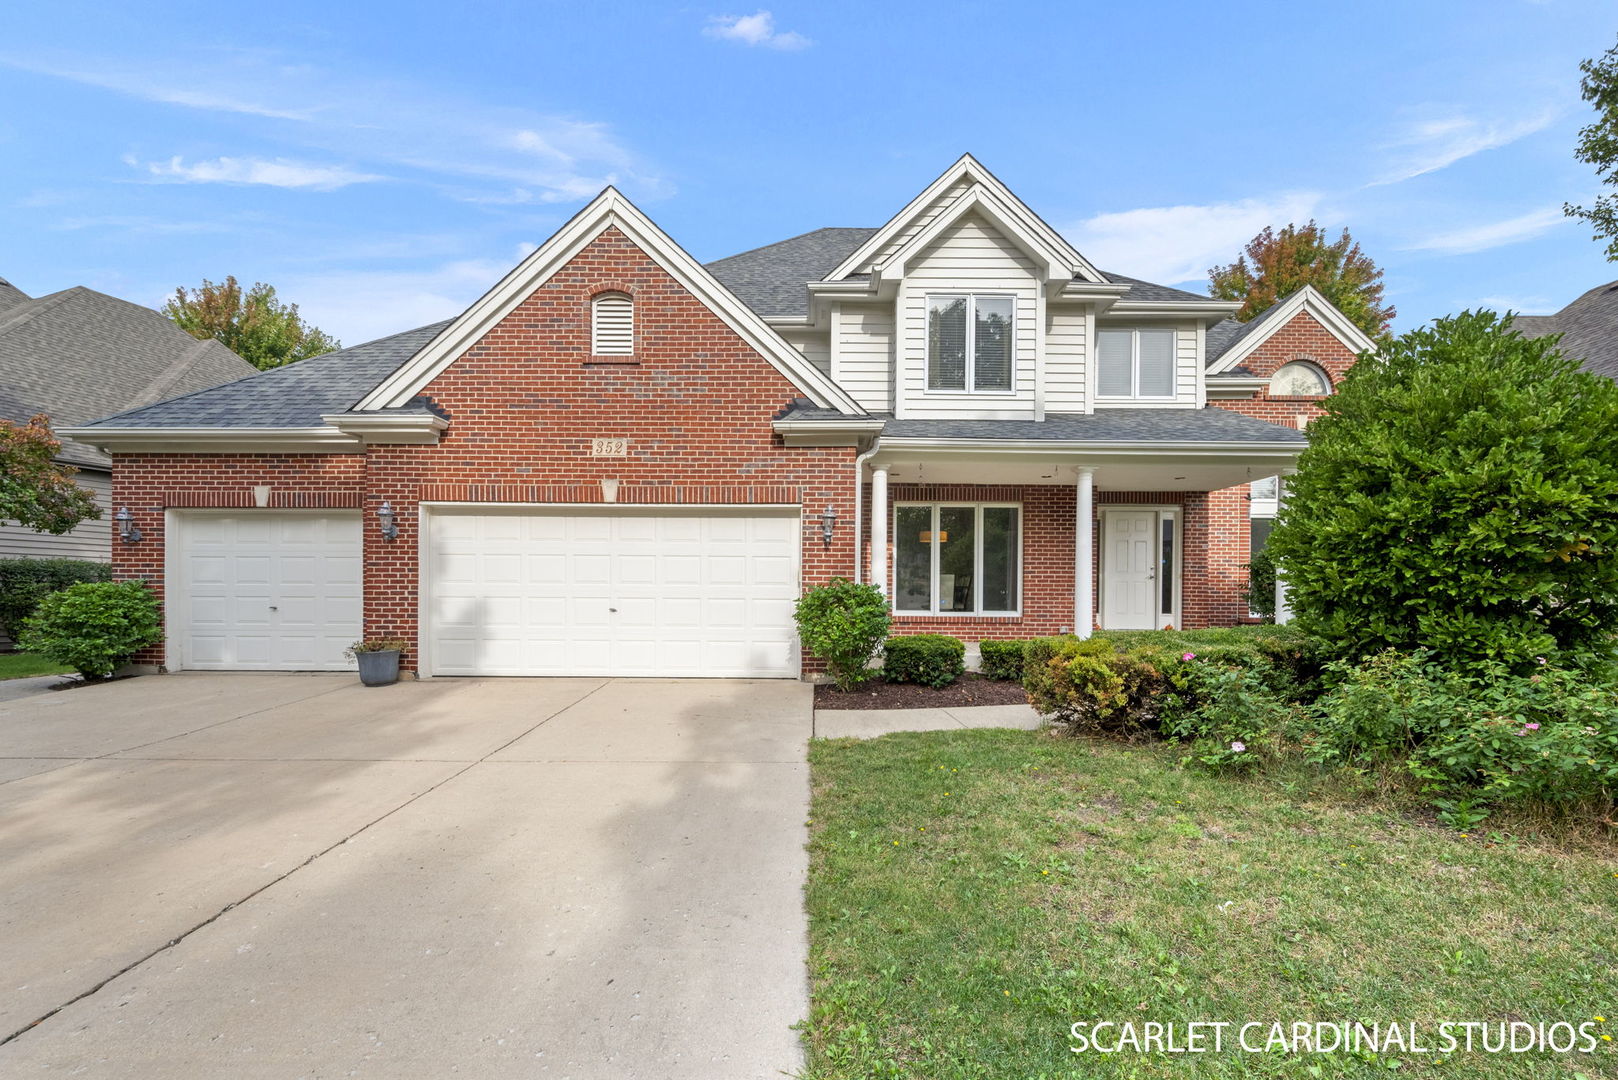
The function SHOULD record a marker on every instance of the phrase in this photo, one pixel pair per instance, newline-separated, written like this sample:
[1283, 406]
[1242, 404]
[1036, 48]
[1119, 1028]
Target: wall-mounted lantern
[126, 526]
[828, 522]
[390, 527]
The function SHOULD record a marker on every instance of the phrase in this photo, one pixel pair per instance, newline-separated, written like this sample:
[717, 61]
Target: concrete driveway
[296, 876]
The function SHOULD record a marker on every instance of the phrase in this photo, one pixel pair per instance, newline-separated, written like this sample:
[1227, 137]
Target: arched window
[1299, 379]
[612, 325]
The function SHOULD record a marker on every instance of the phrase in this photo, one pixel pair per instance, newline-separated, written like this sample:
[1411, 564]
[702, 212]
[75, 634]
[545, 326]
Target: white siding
[91, 540]
[1185, 371]
[970, 256]
[1065, 359]
[813, 344]
[917, 224]
[865, 354]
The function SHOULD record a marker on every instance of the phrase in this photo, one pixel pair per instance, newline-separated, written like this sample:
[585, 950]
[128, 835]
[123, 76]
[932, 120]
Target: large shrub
[1260, 591]
[25, 582]
[1459, 495]
[1001, 660]
[93, 627]
[925, 659]
[843, 624]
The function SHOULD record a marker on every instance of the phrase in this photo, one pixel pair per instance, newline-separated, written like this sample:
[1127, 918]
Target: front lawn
[23, 665]
[974, 893]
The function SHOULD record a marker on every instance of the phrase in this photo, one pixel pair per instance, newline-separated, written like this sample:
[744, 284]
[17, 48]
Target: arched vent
[612, 325]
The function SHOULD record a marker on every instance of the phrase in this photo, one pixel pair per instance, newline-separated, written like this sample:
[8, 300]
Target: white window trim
[1308, 365]
[971, 299]
[1165, 510]
[1134, 333]
[933, 611]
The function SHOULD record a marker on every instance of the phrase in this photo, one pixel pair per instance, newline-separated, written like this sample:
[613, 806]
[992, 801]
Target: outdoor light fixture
[384, 514]
[828, 521]
[126, 526]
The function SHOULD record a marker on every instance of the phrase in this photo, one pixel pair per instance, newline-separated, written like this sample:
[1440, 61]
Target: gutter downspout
[859, 504]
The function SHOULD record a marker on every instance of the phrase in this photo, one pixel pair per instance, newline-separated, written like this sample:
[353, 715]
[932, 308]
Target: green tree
[252, 324]
[1598, 146]
[1276, 264]
[36, 491]
[1460, 494]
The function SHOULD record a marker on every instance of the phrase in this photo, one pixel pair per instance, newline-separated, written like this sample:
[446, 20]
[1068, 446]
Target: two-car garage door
[627, 591]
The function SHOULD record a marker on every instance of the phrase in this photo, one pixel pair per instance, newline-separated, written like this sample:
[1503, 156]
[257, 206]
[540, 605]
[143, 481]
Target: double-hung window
[971, 342]
[1135, 363]
[957, 559]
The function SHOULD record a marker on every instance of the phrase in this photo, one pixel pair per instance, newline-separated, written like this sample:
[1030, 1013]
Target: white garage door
[266, 590]
[622, 592]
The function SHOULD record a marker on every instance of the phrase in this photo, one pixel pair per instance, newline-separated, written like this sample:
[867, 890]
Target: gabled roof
[1227, 345]
[295, 396]
[1589, 329]
[982, 186]
[608, 210]
[78, 354]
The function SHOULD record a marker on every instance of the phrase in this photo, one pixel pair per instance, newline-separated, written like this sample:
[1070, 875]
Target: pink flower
[1238, 746]
[1530, 727]
[1189, 656]
[1540, 660]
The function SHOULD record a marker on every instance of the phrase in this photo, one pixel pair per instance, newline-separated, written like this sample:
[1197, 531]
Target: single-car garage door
[264, 590]
[627, 591]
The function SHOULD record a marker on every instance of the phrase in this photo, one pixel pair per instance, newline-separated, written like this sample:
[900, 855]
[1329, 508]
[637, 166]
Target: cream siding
[970, 256]
[917, 224]
[865, 354]
[1065, 356]
[813, 344]
[91, 540]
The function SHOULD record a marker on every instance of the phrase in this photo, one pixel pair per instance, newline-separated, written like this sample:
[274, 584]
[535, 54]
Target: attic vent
[612, 325]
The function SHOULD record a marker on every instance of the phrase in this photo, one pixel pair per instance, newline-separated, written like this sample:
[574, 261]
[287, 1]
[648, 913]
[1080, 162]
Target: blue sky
[383, 164]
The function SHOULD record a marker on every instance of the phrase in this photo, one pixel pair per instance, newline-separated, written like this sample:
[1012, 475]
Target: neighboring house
[78, 354]
[1589, 329]
[621, 462]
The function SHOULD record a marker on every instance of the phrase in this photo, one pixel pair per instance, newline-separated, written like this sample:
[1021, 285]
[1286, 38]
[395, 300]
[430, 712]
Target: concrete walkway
[14, 689]
[296, 876]
[869, 723]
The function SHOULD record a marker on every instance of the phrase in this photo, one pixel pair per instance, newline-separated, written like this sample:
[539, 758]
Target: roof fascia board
[965, 166]
[608, 209]
[1179, 447]
[1307, 299]
[1220, 308]
[206, 440]
[980, 199]
[417, 428]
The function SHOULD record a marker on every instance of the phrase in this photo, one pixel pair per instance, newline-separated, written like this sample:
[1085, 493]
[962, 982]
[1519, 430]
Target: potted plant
[378, 659]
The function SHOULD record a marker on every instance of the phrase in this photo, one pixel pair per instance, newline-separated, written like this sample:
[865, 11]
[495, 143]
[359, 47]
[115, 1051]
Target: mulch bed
[967, 690]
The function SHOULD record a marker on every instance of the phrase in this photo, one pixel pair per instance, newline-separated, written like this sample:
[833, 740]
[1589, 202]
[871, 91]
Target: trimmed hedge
[1001, 660]
[925, 659]
[25, 582]
[843, 624]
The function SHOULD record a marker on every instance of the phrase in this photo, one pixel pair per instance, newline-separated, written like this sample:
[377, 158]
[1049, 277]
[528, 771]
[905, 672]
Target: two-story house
[622, 462]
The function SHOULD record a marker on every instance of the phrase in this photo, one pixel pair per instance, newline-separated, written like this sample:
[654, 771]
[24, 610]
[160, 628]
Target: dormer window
[1299, 379]
[971, 340]
[1135, 363]
[612, 324]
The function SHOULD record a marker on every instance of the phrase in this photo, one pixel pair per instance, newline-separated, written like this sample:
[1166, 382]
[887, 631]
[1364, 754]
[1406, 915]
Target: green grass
[973, 893]
[22, 665]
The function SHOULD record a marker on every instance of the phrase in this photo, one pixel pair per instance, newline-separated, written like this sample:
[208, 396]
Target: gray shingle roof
[297, 395]
[1209, 424]
[771, 279]
[11, 296]
[78, 354]
[1589, 329]
[1224, 336]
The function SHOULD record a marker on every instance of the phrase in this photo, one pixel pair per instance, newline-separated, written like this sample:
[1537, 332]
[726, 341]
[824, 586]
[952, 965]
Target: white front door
[1129, 570]
[706, 592]
[265, 590]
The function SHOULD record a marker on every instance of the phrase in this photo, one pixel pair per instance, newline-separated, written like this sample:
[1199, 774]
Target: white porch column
[1283, 608]
[1084, 573]
[879, 528]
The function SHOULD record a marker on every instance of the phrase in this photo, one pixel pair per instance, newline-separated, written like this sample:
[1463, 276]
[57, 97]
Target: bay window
[971, 342]
[957, 559]
[1135, 363]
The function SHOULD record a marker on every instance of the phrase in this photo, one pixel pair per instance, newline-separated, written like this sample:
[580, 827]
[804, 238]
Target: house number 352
[609, 447]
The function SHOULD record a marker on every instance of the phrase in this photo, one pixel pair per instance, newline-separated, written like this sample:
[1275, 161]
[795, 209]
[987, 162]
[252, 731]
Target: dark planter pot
[378, 668]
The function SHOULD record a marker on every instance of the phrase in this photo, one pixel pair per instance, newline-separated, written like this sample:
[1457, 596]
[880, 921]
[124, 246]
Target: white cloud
[277, 173]
[1522, 305]
[1171, 244]
[757, 29]
[1438, 140]
[382, 126]
[1493, 234]
[361, 305]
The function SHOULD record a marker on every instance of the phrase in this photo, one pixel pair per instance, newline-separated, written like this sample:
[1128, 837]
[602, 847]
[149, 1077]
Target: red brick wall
[694, 401]
[1304, 338]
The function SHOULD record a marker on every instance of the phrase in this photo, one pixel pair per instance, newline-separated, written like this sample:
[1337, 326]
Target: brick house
[619, 461]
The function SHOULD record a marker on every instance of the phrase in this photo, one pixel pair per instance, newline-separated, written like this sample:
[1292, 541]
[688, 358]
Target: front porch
[981, 543]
